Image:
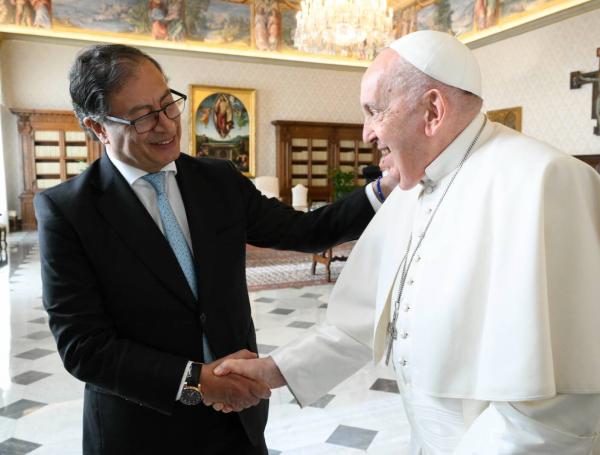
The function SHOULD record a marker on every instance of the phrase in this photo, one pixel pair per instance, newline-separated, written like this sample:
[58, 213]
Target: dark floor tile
[34, 354]
[356, 438]
[323, 306]
[264, 300]
[284, 311]
[274, 452]
[14, 446]
[38, 321]
[310, 295]
[301, 324]
[385, 385]
[38, 335]
[29, 377]
[20, 408]
[322, 402]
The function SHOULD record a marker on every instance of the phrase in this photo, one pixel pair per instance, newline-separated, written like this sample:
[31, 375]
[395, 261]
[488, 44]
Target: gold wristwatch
[191, 394]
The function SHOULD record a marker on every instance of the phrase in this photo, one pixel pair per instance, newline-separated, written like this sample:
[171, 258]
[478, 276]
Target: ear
[97, 128]
[435, 111]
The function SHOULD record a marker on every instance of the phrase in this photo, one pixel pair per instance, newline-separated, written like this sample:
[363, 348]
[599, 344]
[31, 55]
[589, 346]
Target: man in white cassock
[478, 279]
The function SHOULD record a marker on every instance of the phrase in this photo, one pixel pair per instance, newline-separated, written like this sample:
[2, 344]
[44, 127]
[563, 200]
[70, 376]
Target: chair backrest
[267, 185]
[300, 197]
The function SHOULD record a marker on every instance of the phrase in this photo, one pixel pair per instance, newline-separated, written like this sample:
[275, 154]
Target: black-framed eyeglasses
[149, 121]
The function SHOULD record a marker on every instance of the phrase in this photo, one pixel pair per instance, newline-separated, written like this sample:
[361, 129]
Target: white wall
[529, 70]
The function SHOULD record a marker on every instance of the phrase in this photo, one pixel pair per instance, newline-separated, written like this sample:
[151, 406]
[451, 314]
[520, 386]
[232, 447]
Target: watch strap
[193, 379]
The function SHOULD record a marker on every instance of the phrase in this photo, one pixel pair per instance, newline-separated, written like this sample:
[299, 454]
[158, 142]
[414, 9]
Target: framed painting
[510, 117]
[223, 123]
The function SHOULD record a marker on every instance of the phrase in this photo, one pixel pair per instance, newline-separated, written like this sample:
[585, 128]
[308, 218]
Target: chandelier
[351, 28]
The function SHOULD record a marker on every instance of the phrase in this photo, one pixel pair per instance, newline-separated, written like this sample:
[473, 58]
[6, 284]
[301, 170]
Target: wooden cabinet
[308, 153]
[54, 148]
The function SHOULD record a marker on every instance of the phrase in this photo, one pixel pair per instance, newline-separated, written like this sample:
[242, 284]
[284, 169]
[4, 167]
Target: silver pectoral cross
[392, 334]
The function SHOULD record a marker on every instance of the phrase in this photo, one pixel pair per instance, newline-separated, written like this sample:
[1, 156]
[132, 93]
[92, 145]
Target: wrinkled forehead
[376, 86]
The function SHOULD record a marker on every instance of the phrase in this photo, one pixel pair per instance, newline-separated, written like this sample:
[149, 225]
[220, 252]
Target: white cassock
[499, 325]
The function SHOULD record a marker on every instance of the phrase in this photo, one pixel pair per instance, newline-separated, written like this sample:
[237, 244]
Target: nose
[368, 135]
[164, 123]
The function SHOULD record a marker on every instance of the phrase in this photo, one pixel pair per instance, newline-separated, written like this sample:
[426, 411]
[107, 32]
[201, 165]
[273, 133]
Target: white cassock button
[429, 189]
[410, 282]
[417, 258]
[403, 362]
[406, 308]
[429, 211]
[404, 335]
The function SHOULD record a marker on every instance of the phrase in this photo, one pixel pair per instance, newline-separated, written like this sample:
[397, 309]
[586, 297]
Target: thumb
[224, 368]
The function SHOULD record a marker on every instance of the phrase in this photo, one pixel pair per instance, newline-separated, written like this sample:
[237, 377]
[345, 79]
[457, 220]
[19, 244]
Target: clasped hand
[233, 392]
[242, 371]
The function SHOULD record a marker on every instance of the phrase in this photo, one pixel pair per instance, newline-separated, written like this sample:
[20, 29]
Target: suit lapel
[201, 209]
[125, 213]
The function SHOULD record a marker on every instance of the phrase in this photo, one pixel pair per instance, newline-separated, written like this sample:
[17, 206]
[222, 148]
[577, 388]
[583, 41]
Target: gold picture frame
[223, 125]
[511, 117]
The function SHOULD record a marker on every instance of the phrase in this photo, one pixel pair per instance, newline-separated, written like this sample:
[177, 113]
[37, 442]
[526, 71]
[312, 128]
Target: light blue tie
[177, 240]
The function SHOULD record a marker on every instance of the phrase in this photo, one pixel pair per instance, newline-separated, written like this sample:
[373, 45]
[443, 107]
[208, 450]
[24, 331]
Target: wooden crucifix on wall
[578, 79]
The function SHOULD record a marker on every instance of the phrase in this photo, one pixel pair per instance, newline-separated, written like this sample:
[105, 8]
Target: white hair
[411, 84]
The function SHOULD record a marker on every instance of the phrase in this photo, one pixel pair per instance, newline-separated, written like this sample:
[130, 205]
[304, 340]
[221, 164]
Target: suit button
[202, 318]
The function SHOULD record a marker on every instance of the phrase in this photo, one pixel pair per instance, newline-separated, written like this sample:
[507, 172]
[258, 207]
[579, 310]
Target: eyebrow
[148, 106]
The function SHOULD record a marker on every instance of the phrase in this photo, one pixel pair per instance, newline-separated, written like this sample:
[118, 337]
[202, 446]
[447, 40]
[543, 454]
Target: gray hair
[99, 71]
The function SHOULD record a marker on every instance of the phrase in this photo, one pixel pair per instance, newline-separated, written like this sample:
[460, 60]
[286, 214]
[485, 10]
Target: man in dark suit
[143, 268]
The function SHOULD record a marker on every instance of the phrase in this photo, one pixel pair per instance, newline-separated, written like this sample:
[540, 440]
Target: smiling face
[144, 91]
[392, 121]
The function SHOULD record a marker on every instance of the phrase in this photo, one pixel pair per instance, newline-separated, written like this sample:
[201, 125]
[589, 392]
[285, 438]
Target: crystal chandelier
[351, 28]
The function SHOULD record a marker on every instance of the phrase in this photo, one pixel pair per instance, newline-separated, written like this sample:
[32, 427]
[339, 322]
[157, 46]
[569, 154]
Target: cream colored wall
[532, 71]
[529, 70]
[36, 77]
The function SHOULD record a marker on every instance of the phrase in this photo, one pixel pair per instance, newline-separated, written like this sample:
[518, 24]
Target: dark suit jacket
[120, 309]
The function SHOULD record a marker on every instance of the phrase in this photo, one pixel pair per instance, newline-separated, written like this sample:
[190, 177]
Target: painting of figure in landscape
[223, 125]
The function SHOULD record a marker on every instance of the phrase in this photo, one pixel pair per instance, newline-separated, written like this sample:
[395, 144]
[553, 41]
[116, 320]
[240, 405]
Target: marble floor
[41, 404]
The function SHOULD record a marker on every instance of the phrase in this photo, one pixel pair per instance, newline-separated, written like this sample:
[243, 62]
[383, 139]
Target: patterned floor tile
[356, 438]
[301, 324]
[385, 385]
[321, 403]
[310, 295]
[283, 311]
[34, 354]
[14, 446]
[29, 377]
[38, 321]
[39, 335]
[20, 408]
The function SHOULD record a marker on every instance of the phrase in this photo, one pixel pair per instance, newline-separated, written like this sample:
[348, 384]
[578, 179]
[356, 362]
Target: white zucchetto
[442, 57]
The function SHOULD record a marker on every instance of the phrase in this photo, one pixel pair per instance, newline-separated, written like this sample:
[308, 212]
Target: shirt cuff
[185, 375]
[375, 202]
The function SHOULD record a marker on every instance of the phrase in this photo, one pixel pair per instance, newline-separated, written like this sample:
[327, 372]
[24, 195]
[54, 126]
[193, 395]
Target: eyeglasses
[149, 121]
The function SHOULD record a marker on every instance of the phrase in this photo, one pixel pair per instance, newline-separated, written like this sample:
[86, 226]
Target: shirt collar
[132, 173]
[452, 155]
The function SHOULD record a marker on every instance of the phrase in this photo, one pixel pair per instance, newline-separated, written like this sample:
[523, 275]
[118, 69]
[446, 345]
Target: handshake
[239, 381]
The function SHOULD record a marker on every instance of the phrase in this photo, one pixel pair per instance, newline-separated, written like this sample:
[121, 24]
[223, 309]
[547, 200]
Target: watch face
[190, 396]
